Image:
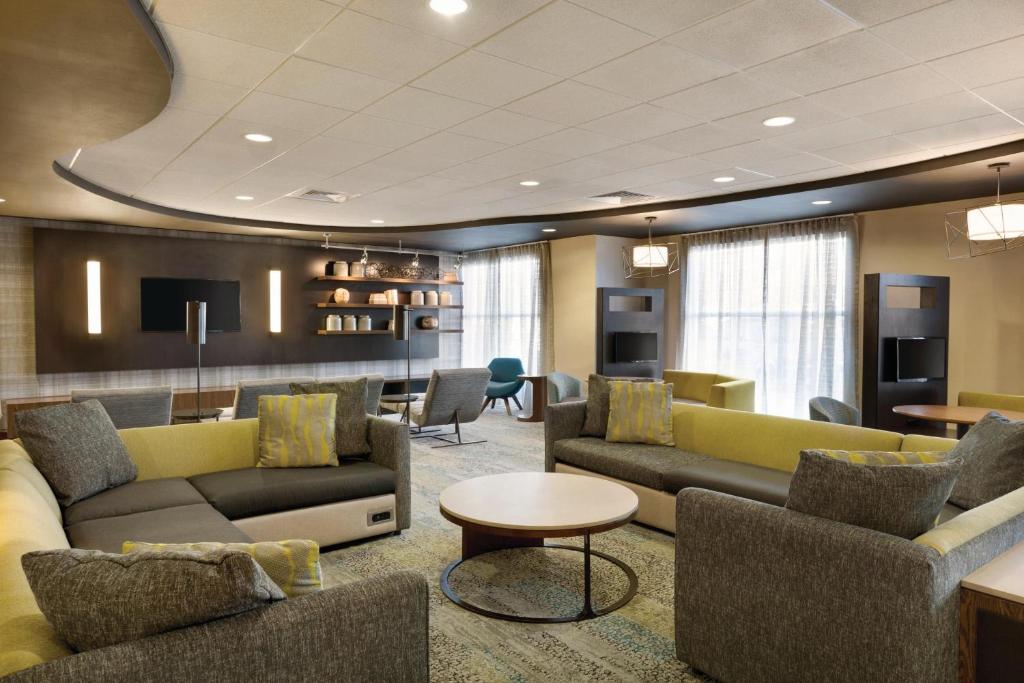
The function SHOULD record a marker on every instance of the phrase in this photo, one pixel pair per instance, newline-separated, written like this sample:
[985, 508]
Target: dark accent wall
[882, 324]
[646, 314]
[64, 345]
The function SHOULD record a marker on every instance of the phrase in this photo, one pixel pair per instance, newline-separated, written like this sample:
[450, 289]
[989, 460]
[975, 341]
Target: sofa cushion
[298, 431]
[76, 447]
[638, 463]
[135, 496]
[598, 397]
[96, 599]
[949, 511]
[259, 491]
[640, 412]
[182, 524]
[993, 455]
[763, 484]
[350, 415]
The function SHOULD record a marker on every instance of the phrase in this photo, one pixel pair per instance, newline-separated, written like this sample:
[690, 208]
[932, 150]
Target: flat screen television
[919, 359]
[163, 303]
[636, 347]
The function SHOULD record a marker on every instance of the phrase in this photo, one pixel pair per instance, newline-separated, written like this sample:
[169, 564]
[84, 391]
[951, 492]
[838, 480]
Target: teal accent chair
[504, 384]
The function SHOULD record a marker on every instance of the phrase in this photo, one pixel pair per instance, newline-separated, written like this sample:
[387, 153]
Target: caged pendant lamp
[650, 259]
[988, 228]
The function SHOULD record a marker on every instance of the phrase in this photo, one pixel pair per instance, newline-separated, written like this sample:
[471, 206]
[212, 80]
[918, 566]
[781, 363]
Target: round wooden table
[962, 416]
[406, 399]
[521, 509]
[185, 415]
[540, 397]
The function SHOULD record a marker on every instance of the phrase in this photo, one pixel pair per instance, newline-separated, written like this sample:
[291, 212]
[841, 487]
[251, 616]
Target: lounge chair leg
[508, 408]
[518, 404]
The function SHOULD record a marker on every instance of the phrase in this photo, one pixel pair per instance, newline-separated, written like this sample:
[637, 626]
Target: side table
[992, 619]
[539, 383]
[185, 415]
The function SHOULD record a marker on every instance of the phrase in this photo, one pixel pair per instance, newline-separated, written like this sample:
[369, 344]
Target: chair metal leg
[457, 434]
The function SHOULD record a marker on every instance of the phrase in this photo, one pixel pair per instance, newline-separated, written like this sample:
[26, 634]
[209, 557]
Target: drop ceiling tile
[203, 96]
[158, 142]
[640, 122]
[954, 26]
[905, 86]
[748, 154]
[370, 177]
[701, 138]
[985, 65]
[218, 59]
[424, 108]
[415, 191]
[302, 79]
[261, 107]
[475, 172]
[574, 142]
[724, 97]
[850, 57]
[1007, 95]
[670, 189]
[980, 128]
[791, 165]
[520, 159]
[570, 103]
[168, 186]
[829, 135]
[454, 148]
[658, 17]
[871, 12]
[706, 180]
[479, 77]
[564, 39]
[486, 17]
[279, 25]
[505, 126]
[329, 156]
[415, 163]
[634, 156]
[377, 131]
[656, 173]
[118, 176]
[378, 48]
[270, 182]
[807, 115]
[869, 149]
[653, 71]
[762, 30]
[928, 113]
[223, 150]
[579, 169]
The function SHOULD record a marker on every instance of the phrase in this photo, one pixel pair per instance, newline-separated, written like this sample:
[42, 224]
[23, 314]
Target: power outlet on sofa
[380, 517]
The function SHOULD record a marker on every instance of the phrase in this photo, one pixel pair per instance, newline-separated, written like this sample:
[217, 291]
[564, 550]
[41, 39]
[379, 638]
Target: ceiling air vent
[322, 196]
[621, 197]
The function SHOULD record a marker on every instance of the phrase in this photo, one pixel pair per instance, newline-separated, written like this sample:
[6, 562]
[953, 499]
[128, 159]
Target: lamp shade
[650, 256]
[996, 222]
[195, 322]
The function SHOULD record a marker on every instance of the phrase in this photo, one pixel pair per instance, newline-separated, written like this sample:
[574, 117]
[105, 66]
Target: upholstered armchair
[827, 409]
[563, 387]
[248, 392]
[504, 383]
[142, 407]
[712, 389]
[980, 399]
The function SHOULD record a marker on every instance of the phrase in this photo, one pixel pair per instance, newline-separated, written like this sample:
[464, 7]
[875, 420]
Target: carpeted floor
[633, 644]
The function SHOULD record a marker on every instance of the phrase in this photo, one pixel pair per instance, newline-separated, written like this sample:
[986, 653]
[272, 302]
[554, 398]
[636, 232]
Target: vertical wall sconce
[275, 301]
[92, 288]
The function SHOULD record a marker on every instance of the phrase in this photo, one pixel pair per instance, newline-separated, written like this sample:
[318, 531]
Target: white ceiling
[431, 119]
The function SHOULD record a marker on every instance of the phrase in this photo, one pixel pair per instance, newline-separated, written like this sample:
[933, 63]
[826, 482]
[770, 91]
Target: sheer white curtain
[776, 304]
[507, 299]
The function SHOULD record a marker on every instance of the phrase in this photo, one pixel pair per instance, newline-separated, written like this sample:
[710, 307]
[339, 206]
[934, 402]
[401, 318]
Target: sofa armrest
[389, 447]
[766, 593]
[737, 394]
[561, 421]
[371, 630]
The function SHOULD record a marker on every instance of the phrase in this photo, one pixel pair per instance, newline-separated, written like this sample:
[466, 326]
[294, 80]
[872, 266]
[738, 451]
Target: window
[506, 306]
[775, 304]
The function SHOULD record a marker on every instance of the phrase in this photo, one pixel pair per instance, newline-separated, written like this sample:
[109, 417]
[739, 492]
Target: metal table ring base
[588, 611]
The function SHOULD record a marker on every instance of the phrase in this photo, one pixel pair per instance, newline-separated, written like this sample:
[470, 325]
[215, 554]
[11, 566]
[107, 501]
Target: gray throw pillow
[76, 448]
[94, 599]
[599, 401]
[350, 420]
[993, 455]
[902, 500]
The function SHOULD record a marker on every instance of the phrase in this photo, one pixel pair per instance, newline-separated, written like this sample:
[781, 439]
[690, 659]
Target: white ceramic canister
[348, 323]
[445, 298]
[357, 269]
[364, 323]
[333, 323]
[416, 297]
[341, 268]
[431, 297]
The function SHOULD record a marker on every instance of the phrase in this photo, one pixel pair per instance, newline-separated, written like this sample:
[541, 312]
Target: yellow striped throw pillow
[297, 431]
[294, 565]
[640, 412]
[885, 457]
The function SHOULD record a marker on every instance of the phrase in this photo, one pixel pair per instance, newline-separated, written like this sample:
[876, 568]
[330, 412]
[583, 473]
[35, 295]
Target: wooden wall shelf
[329, 333]
[379, 306]
[384, 280]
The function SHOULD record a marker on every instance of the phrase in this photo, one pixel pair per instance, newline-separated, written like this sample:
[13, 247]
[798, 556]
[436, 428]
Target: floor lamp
[400, 314]
[195, 331]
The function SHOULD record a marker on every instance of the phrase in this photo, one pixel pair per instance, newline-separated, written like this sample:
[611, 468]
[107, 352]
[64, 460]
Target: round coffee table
[521, 509]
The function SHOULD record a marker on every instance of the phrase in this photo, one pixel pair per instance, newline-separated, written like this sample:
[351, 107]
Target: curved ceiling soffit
[64, 168]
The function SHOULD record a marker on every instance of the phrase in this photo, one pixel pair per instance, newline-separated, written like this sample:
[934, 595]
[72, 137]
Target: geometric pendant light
[985, 229]
[650, 259]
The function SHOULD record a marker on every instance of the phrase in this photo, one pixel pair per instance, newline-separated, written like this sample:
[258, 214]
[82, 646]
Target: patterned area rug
[634, 643]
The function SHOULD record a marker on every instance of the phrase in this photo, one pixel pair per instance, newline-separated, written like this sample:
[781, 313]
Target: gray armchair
[374, 388]
[141, 407]
[453, 398]
[827, 409]
[563, 387]
[249, 390]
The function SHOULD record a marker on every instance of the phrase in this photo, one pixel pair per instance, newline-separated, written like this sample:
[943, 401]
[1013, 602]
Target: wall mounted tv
[919, 359]
[163, 303]
[636, 347]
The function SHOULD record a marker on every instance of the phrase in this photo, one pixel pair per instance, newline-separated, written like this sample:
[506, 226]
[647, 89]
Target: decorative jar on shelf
[428, 322]
[348, 323]
[341, 295]
[416, 297]
[445, 298]
[333, 323]
[430, 298]
[364, 323]
[357, 269]
[378, 298]
[392, 296]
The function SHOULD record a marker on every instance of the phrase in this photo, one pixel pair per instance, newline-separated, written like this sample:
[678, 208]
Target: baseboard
[326, 524]
[657, 508]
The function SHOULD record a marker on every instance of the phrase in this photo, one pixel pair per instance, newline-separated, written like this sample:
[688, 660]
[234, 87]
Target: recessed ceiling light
[376, 221]
[529, 183]
[2, 200]
[778, 121]
[547, 230]
[258, 137]
[243, 198]
[449, 7]
[821, 202]
[724, 179]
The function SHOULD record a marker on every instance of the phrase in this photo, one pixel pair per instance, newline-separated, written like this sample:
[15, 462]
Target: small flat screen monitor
[919, 359]
[636, 347]
[163, 303]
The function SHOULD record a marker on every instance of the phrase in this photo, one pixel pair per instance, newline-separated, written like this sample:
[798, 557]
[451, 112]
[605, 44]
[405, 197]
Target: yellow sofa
[708, 388]
[979, 399]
